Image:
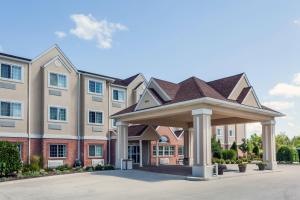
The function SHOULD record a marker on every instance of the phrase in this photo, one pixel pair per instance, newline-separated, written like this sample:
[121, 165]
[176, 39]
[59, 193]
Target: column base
[202, 171]
[271, 165]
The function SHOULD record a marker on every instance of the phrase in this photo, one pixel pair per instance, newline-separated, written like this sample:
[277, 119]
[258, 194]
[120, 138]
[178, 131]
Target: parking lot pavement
[137, 184]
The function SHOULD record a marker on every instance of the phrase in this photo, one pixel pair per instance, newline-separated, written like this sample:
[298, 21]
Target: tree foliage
[216, 148]
[9, 158]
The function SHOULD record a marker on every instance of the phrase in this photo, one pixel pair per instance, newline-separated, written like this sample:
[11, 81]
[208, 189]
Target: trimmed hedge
[9, 158]
[287, 154]
[229, 154]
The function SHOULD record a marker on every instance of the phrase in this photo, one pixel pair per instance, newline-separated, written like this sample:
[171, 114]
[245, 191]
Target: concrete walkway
[137, 184]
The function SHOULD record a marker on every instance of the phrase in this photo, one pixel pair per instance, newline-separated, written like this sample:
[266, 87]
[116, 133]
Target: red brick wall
[173, 141]
[87, 161]
[112, 151]
[71, 146]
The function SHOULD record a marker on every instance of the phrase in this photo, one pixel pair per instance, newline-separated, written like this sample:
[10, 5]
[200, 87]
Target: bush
[89, 168]
[98, 168]
[256, 150]
[287, 154]
[77, 163]
[229, 154]
[35, 163]
[63, 168]
[228, 161]
[216, 148]
[234, 146]
[9, 160]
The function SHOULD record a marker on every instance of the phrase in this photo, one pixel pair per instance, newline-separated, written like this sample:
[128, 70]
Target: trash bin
[126, 164]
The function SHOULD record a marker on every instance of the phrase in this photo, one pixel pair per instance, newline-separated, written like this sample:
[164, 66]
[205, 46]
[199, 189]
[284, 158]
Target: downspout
[109, 135]
[78, 118]
[28, 113]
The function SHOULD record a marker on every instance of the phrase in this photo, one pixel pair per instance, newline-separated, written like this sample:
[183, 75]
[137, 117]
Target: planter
[261, 166]
[221, 169]
[242, 167]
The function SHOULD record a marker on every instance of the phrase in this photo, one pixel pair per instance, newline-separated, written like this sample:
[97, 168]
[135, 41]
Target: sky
[170, 40]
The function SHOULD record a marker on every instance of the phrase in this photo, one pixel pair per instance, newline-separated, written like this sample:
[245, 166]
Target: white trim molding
[202, 111]
[120, 123]
[270, 122]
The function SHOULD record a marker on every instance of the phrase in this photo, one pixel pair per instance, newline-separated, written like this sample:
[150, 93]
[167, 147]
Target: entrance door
[134, 153]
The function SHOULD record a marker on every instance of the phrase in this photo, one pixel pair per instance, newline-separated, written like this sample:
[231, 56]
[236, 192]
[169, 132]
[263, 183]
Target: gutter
[28, 113]
[206, 100]
[78, 118]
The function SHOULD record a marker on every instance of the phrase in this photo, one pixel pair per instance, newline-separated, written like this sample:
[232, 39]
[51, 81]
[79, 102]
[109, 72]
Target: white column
[202, 166]
[157, 153]
[186, 144]
[269, 147]
[122, 143]
[141, 153]
[191, 147]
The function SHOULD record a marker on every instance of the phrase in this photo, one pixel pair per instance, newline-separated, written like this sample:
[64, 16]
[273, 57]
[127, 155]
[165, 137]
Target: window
[20, 150]
[95, 87]
[95, 150]
[180, 150]
[114, 123]
[163, 139]
[57, 114]
[219, 132]
[231, 133]
[12, 72]
[118, 95]
[57, 80]
[10, 109]
[95, 117]
[58, 151]
[164, 150]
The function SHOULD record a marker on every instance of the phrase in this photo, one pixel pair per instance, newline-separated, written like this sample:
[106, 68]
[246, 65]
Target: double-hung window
[58, 151]
[164, 151]
[11, 72]
[118, 95]
[57, 113]
[180, 150]
[95, 150]
[10, 109]
[95, 117]
[96, 87]
[57, 80]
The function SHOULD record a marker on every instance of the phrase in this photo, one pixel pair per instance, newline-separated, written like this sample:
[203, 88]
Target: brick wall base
[86, 160]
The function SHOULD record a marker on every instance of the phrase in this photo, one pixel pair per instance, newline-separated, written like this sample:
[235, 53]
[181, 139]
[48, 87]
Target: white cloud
[60, 34]
[279, 105]
[89, 28]
[296, 21]
[284, 89]
[296, 79]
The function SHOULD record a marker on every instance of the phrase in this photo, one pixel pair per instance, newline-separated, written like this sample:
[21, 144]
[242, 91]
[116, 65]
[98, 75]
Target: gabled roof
[136, 130]
[243, 94]
[127, 81]
[169, 87]
[178, 133]
[225, 85]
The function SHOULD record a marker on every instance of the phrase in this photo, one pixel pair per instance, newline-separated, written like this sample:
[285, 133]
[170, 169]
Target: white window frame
[233, 133]
[12, 64]
[112, 123]
[58, 87]
[66, 151]
[12, 117]
[163, 150]
[97, 81]
[59, 107]
[119, 89]
[221, 131]
[95, 152]
[88, 117]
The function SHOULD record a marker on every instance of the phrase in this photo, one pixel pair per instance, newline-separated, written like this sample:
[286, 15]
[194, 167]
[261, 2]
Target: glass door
[134, 153]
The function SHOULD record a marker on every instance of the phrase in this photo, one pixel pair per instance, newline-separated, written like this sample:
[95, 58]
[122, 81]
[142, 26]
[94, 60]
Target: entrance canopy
[194, 103]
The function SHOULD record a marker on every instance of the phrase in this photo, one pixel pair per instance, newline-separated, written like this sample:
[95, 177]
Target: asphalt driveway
[146, 185]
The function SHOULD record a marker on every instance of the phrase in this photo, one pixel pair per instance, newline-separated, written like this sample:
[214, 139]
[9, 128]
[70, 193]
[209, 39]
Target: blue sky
[171, 40]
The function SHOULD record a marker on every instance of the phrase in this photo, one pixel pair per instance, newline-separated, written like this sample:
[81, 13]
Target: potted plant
[242, 166]
[221, 169]
[261, 166]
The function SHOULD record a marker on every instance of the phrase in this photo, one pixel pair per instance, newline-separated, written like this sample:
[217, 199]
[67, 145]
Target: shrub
[89, 168]
[35, 163]
[108, 167]
[221, 161]
[256, 150]
[77, 163]
[287, 154]
[63, 168]
[216, 148]
[234, 146]
[9, 160]
[98, 168]
[229, 154]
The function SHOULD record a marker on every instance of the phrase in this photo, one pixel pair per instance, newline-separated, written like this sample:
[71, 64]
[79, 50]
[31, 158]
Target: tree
[256, 140]
[244, 147]
[296, 141]
[256, 150]
[282, 140]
